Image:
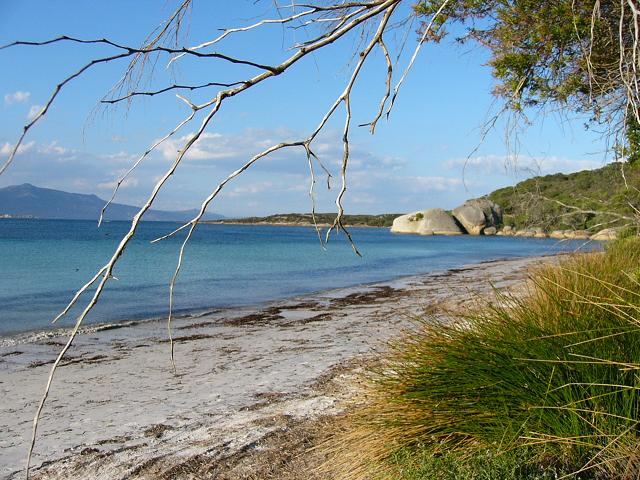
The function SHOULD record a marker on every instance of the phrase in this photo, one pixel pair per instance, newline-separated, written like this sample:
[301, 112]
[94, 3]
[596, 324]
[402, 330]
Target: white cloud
[364, 199]
[252, 189]
[520, 165]
[16, 97]
[279, 184]
[53, 148]
[383, 180]
[210, 146]
[434, 184]
[376, 183]
[223, 147]
[34, 111]
[127, 183]
[119, 157]
[59, 153]
[302, 185]
[218, 148]
[81, 184]
[6, 148]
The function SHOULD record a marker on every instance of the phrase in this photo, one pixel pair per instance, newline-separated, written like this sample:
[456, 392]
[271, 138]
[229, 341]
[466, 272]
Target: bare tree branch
[387, 93]
[49, 102]
[335, 20]
[143, 156]
[582, 210]
[166, 89]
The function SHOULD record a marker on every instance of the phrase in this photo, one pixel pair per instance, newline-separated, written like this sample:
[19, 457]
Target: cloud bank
[16, 97]
[376, 183]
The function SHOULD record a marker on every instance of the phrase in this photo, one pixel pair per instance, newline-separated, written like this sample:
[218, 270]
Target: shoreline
[271, 271]
[284, 224]
[239, 371]
[12, 339]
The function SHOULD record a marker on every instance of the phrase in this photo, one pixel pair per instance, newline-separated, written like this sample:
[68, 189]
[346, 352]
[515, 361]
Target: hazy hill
[29, 201]
[589, 199]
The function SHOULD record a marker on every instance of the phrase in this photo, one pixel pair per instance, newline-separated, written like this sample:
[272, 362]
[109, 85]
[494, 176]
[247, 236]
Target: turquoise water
[43, 263]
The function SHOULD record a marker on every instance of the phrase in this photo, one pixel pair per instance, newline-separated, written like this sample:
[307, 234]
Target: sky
[431, 152]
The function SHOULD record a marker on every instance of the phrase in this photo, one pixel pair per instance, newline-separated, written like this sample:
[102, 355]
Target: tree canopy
[578, 55]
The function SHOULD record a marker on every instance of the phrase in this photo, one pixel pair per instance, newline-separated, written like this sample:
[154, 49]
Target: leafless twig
[335, 20]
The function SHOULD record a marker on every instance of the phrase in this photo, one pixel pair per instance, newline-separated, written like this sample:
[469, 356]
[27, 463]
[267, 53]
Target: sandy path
[117, 412]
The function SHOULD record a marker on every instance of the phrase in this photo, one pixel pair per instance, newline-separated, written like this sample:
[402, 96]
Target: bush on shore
[545, 383]
[584, 200]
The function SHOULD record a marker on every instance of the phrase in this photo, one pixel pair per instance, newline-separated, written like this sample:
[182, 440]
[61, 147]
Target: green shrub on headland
[306, 219]
[535, 384]
[586, 200]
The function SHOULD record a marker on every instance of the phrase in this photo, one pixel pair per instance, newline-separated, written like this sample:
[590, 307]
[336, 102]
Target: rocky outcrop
[481, 216]
[606, 234]
[539, 233]
[477, 214]
[405, 223]
[471, 218]
[433, 221]
[602, 235]
[507, 231]
[577, 234]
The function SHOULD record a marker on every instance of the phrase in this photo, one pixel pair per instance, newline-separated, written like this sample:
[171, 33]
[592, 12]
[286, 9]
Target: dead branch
[166, 89]
[337, 20]
[587, 211]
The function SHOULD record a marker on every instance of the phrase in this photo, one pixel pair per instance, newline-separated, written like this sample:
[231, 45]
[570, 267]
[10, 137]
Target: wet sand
[246, 377]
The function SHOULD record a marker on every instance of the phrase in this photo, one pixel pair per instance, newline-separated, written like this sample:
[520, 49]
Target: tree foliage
[589, 200]
[578, 55]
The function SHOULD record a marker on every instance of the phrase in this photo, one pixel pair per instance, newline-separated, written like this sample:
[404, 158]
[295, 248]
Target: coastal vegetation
[306, 219]
[587, 200]
[579, 56]
[539, 384]
[536, 385]
[542, 383]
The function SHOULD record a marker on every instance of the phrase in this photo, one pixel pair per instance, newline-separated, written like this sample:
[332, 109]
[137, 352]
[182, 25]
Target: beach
[247, 379]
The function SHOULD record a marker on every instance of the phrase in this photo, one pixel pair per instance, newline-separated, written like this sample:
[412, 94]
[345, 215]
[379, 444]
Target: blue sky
[414, 161]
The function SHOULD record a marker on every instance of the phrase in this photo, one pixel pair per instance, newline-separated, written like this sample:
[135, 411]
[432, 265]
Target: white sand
[116, 411]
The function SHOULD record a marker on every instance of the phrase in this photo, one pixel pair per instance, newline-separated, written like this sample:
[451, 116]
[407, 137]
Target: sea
[44, 262]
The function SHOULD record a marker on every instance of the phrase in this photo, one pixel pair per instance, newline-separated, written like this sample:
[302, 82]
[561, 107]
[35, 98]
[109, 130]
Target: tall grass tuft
[552, 375]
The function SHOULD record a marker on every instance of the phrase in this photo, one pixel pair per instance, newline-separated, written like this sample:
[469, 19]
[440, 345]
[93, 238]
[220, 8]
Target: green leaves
[538, 202]
[551, 51]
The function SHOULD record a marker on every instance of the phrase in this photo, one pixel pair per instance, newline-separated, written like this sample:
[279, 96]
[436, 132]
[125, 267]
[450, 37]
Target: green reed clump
[420, 464]
[555, 371]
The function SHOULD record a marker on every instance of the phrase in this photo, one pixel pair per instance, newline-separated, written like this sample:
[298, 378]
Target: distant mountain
[29, 201]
